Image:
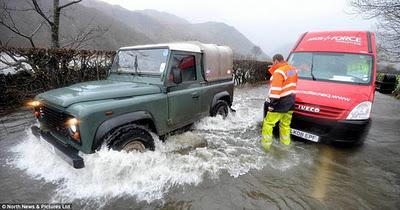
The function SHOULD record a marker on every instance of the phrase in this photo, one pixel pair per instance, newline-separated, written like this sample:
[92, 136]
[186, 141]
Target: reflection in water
[321, 179]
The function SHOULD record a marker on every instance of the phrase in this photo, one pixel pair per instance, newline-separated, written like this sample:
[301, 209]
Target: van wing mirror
[176, 75]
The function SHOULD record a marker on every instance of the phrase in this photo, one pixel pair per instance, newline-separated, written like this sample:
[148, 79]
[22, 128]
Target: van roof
[180, 46]
[337, 41]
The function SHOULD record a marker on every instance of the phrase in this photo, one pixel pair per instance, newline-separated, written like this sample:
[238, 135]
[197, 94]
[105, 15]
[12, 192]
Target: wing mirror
[176, 75]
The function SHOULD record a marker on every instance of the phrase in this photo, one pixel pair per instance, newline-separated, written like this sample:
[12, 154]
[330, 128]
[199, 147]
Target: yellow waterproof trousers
[284, 128]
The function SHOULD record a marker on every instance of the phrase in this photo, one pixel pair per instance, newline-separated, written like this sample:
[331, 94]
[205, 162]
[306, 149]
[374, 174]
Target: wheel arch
[221, 96]
[139, 118]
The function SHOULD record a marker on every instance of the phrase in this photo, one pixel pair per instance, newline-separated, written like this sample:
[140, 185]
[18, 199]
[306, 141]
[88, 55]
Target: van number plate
[304, 135]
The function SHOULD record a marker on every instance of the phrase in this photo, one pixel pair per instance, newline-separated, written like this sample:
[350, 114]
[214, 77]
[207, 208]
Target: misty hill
[116, 26]
[109, 33]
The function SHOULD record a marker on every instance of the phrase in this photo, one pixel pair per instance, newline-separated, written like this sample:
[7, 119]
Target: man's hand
[270, 109]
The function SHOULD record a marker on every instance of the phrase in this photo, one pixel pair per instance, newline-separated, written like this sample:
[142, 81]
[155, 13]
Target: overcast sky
[272, 24]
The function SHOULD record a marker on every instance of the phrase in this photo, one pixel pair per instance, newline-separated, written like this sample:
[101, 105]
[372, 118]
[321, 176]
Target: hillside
[117, 26]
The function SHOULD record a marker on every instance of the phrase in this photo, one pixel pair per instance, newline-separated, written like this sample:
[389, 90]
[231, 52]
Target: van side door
[183, 98]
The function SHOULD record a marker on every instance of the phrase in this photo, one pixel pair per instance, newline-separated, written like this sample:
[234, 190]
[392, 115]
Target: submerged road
[231, 172]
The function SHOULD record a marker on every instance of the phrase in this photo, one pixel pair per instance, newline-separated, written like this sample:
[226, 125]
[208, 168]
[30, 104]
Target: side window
[187, 65]
[302, 62]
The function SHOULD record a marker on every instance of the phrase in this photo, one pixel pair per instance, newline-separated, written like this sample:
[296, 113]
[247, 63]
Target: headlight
[36, 108]
[73, 124]
[34, 104]
[73, 128]
[361, 112]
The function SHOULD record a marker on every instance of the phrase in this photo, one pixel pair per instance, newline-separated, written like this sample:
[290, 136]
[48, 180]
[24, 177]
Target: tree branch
[69, 4]
[16, 31]
[40, 12]
[37, 29]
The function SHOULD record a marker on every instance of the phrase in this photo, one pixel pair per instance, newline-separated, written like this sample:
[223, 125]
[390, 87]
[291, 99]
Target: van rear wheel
[130, 138]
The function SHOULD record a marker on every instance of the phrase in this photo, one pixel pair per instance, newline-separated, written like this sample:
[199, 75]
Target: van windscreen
[140, 61]
[338, 67]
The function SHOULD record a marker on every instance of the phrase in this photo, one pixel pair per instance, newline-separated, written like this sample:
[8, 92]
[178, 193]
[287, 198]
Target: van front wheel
[130, 138]
[220, 108]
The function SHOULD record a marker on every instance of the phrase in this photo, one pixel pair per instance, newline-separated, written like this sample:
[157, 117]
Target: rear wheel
[130, 138]
[220, 108]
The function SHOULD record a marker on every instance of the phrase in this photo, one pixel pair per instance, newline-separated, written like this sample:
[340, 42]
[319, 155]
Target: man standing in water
[281, 100]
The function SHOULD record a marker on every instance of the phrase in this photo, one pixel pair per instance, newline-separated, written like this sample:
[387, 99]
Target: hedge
[55, 68]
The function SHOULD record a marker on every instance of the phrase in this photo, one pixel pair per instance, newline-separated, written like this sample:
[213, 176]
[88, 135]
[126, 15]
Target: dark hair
[278, 57]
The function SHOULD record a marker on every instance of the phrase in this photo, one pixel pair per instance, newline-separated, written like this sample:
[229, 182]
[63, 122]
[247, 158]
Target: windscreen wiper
[311, 68]
[136, 66]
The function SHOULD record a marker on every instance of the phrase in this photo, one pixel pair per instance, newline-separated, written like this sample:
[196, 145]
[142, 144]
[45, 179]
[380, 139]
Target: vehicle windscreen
[140, 61]
[338, 67]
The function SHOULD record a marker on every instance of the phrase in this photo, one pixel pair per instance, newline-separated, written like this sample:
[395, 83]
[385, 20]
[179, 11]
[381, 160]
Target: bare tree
[84, 34]
[256, 51]
[7, 21]
[51, 19]
[55, 22]
[387, 13]
[45, 14]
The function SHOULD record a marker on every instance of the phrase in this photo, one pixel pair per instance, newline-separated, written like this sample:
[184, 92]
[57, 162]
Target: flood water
[230, 172]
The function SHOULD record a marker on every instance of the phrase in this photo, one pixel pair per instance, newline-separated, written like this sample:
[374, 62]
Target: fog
[273, 25]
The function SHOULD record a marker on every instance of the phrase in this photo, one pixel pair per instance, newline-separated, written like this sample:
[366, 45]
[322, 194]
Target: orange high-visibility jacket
[283, 86]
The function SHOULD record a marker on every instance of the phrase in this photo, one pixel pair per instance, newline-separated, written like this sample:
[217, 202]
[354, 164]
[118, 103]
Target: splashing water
[232, 147]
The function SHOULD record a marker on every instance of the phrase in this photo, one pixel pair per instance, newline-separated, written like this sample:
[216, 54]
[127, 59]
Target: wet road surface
[231, 172]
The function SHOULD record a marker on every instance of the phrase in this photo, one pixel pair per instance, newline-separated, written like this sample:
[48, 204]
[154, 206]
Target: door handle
[195, 95]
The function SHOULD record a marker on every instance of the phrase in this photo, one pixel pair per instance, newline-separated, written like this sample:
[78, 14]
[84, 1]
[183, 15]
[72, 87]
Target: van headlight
[361, 112]
[73, 124]
[73, 128]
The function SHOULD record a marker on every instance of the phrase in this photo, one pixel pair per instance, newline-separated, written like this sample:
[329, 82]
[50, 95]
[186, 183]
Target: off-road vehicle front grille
[54, 120]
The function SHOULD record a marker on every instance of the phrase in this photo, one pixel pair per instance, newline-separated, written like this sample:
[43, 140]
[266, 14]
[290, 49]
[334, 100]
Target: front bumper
[65, 151]
[343, 131]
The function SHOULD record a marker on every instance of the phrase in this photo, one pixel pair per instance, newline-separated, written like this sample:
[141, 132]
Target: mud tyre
[130, 138]
[220, 108]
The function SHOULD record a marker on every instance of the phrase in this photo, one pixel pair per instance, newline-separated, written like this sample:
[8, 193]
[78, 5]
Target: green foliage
[396, 92]
[379, 76]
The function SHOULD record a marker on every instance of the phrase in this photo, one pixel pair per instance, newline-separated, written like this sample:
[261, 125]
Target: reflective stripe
[274, 96]
[282, 73]
[281, 95]
[272, 77]
[286, 93]
[276, 88]
[284, 137]
[293, 84]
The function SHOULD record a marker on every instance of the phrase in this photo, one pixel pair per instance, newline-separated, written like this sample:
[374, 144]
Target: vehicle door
[183, 98]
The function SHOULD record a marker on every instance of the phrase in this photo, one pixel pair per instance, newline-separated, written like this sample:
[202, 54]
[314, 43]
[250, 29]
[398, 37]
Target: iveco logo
[308, 108]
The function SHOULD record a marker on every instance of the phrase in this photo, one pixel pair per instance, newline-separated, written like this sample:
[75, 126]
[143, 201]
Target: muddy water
[230, 171]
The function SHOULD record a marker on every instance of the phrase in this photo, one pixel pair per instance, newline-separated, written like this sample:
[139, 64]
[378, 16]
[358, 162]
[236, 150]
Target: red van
[336, 86]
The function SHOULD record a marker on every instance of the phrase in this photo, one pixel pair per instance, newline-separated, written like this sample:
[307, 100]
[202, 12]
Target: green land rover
[150, 88]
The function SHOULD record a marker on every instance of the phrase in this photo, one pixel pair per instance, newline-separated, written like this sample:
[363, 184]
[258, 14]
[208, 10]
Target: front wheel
[220, 108]
[130, 138]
